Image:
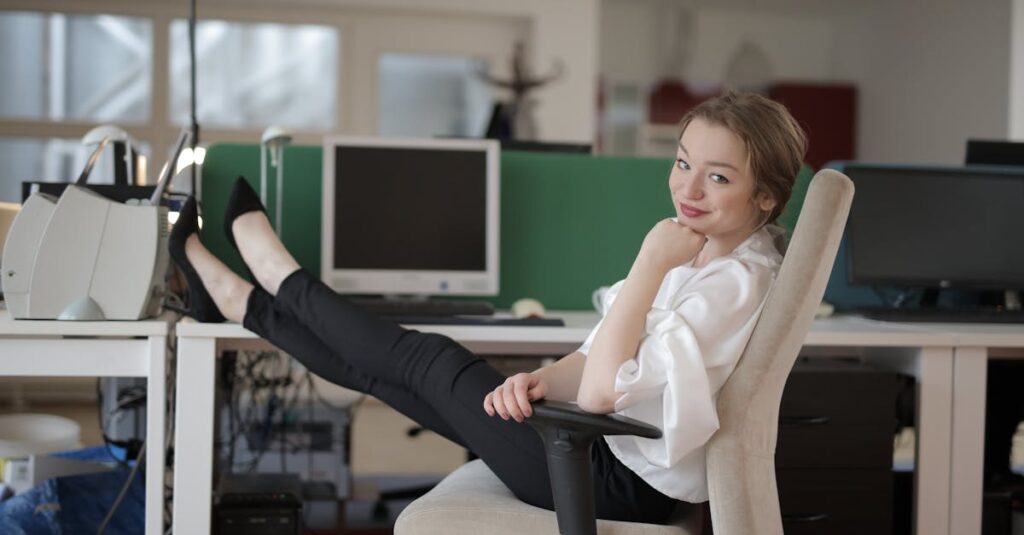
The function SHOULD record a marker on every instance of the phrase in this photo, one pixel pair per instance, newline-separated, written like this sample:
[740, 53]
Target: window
[425, 95]
[75, 67]
[256, 75]
[409, 73]
[34, 159]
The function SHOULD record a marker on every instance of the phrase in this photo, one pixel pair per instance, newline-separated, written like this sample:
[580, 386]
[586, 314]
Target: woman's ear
[765, 202]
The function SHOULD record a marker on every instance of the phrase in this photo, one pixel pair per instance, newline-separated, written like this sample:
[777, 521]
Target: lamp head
[109, 131]
[276, 136]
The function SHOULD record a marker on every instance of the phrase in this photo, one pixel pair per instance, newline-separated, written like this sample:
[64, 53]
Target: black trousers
[437, 383]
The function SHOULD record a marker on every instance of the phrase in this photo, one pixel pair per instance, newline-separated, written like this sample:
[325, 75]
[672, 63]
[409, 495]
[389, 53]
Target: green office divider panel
[302, 184]
[569, 223]
[572, 223]
[796, 199]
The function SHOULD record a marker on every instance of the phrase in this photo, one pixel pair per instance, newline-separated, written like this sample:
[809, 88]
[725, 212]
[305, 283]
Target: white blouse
[696, 330]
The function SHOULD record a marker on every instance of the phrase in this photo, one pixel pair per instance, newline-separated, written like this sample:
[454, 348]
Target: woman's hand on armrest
[512, 399]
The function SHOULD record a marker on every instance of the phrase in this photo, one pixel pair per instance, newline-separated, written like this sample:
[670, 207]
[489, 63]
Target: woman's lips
[690, 211]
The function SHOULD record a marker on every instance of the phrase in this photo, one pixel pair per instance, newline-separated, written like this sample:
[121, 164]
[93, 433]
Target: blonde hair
[775, 143]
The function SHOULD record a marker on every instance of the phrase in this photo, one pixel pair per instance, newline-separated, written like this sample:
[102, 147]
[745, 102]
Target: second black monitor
[945, 227]
[989, 152]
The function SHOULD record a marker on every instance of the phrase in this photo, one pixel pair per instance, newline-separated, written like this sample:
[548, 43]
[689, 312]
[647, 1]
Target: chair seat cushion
[472, 501]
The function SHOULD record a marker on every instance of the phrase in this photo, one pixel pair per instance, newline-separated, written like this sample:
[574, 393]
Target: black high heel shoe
[200, 305]
[242, 201]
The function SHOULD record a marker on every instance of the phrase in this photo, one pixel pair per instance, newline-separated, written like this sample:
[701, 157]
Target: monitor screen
[410, 216]
[983, 152]
[936, 227]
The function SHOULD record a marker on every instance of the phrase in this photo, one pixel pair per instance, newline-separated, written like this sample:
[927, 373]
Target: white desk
[974, 345]
[922, 351]
[95, 349]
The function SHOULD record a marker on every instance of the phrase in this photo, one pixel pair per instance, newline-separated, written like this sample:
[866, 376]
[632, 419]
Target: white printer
[83, 256]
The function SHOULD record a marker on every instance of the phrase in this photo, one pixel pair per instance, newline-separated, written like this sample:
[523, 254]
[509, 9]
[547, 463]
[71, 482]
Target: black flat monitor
[988, 152]
[936, 227]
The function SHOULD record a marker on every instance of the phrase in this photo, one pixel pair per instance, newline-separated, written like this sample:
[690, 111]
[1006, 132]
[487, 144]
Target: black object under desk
[835, 448]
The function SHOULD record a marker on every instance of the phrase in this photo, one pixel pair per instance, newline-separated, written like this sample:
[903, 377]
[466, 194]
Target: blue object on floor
[75, 505]
[86, 499]
[33, 512]
[95, 453]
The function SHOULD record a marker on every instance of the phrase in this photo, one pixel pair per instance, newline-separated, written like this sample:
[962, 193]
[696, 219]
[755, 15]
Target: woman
[674, 329]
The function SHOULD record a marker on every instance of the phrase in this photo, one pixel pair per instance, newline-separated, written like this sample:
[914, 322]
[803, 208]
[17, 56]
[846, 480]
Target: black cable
[124, 490]
[170, 390]
[256, 418]
[289, 408]
[231, 372]
[192, 87]
[269, 380]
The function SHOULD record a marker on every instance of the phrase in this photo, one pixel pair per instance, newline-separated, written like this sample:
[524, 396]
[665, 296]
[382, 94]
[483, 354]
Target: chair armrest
[570, 416]
[568, 432]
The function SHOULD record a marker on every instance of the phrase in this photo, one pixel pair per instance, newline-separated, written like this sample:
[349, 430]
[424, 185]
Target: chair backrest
[741, 455]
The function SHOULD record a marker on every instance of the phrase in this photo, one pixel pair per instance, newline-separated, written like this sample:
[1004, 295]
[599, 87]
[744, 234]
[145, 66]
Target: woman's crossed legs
[428, 377]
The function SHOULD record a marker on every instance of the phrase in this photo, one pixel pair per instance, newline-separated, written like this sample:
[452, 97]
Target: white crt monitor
[410, 216]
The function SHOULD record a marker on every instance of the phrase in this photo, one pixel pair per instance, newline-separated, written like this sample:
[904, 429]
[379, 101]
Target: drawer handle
[812, 517]
[804, 420]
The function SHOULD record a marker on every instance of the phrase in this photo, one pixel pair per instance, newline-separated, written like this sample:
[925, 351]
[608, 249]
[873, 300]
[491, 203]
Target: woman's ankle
[262, 251]
[276, 272]
[236, 300]
[227, 290]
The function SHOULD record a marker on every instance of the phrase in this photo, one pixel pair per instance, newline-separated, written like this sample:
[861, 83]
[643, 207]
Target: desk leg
[193, 436]
[156, 430]
[933, 368]
[969, 383]
[934, 438]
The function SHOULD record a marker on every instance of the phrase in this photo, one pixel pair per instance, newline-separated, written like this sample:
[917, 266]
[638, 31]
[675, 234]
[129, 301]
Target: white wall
[1017, 71]
[639, 39]
[630, 46]
[797, 46]
[931, 74]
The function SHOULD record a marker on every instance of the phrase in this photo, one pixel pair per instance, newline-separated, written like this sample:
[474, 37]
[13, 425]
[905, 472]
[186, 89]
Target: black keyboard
[478, 320]
[420, 308]
[944, 315]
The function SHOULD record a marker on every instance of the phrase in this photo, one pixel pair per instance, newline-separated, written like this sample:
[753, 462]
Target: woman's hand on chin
[512, 399]
[670, 244]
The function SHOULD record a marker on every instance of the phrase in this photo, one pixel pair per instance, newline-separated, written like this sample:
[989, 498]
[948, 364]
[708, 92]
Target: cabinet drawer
[840, 392]
[826, 444]
[836, 502]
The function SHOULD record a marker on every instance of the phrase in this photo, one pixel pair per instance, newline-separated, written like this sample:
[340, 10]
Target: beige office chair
[741, 455]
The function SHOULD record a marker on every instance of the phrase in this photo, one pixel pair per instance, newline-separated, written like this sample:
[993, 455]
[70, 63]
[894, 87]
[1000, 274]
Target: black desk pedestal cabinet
[834, 457]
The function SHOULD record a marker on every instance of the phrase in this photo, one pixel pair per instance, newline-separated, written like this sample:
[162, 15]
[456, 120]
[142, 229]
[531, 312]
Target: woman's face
[711, 183]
